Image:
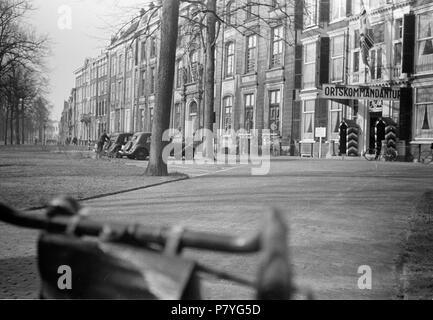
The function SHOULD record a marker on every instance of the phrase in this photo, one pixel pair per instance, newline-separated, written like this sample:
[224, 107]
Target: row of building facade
[272, 62]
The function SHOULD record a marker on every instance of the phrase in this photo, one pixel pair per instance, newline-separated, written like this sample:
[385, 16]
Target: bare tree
[22, 54]
[17, 45]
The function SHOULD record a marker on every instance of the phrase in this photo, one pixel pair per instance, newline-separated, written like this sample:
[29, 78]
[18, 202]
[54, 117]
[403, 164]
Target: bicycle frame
[117, 261]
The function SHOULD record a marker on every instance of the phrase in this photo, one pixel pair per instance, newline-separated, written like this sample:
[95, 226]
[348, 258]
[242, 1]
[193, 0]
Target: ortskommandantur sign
[360, 93]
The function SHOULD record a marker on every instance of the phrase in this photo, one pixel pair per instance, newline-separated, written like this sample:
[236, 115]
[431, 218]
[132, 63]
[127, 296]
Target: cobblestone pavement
[18, 263]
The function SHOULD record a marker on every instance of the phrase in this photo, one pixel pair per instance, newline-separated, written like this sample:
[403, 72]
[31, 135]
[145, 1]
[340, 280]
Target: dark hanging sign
[360, 93]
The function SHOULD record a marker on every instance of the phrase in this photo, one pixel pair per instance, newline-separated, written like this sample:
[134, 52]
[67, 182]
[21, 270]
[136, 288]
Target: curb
[105, 195]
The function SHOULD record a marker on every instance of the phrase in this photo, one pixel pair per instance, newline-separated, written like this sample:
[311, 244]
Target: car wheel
[142, 154]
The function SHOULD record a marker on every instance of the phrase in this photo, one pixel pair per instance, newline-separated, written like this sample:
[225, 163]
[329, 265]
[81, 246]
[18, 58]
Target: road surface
[342, 215]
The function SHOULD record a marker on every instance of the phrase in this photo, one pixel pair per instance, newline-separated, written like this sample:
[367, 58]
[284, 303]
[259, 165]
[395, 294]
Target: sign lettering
[360, 93]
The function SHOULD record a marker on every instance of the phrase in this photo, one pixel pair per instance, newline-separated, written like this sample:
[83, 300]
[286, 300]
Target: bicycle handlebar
[129, 234]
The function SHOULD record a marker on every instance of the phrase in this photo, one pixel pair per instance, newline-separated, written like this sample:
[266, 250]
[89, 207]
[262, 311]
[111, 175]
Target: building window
[194, 121]
[355, 66]
[398, 29]
[121, 64]
[229, 59]
[337, 58]
[250, 102]
[379, 33]
[277, 47]
[142, 83]
[129, 63]
[338, 9]
[424, 113]
[228, 112]
[251, 53]
[114, 65]
[309, 71]
[310, 13]
[376, 66]
[127, 120]
[308, 119]
[152, 80]
[356, 55]
[193, 67]
[113, 92]
[143, 52]
[274, 111]
[424, 60]
[336, 111]
[179, 74]
[152, 48]
[177, 116]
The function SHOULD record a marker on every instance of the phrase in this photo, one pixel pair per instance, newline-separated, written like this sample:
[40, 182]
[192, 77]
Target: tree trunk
[23, 120]
[166, 69]
[40, 132]
[12, 124]
[210, 71]
[6, 123]
[17, 123]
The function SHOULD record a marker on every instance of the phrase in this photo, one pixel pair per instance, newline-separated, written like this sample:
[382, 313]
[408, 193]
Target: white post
[320, 148]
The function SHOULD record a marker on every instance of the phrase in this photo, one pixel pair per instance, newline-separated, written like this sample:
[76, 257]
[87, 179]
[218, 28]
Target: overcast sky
[92, 23]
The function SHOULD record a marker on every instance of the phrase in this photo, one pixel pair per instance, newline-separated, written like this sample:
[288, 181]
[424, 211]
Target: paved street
[342, 214]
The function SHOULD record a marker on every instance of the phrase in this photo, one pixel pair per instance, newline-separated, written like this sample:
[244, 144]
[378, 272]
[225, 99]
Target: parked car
[188, 150]
[138, 148]
[117, 141]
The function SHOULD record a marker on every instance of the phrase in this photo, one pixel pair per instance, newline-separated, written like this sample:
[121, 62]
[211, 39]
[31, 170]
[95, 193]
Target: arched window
[193, 108]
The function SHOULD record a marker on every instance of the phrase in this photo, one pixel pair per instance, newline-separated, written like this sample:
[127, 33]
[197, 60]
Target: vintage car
[117, 141]
[138, 148]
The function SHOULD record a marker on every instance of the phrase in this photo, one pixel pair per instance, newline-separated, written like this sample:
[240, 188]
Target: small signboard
[320, 132]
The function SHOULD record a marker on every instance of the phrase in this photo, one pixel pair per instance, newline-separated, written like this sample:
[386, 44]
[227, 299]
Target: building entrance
[377, 131]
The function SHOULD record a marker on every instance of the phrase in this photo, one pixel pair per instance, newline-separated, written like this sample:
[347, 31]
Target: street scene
[216, 150]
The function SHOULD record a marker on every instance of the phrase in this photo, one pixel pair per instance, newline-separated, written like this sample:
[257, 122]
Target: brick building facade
[270, 75]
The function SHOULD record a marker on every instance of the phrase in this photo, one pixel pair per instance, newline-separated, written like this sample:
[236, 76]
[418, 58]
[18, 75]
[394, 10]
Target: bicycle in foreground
[119, 261]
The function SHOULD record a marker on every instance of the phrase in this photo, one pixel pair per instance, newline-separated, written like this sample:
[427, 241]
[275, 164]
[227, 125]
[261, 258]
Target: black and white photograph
[216, 150]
